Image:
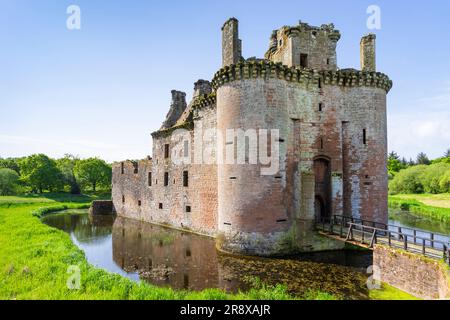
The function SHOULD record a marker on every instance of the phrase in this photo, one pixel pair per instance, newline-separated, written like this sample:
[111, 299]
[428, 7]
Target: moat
[171, 258]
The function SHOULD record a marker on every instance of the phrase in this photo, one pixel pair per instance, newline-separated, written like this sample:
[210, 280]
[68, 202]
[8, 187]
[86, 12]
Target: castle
[322, 128]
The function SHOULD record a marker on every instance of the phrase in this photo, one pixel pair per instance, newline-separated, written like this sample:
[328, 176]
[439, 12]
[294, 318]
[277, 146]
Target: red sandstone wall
[200, 195]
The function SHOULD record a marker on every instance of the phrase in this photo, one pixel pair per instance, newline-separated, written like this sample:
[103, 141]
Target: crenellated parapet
[204, 101]
[267, 69]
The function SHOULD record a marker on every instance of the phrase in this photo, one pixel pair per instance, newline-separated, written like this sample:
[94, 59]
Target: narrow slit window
[149, 179]
[320, 107]
[122, 168]
[160, 206]
[136, 168]
[185, 178]
[139, 203]
[320, 83]
[166, 151]
[188, 209]
[321, 143]
[186, 148]
[365, 136]
[123, 199]
[166, 179]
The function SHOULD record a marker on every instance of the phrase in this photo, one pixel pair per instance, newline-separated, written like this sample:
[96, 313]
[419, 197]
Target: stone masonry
[332, 140]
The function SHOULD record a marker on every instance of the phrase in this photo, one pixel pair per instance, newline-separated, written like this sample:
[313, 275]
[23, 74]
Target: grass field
[435, 207]
[433, 200]
[34, 262]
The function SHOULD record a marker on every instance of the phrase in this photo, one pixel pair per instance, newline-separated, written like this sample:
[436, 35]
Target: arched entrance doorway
[322, 174]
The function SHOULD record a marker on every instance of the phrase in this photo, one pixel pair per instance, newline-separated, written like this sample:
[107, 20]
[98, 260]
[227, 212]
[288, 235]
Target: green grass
[52, 198]
[34, 261]
[388, 292]
[434, 200]
[416, 205]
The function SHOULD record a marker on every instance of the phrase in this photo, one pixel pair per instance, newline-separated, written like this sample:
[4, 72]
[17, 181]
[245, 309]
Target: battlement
[264, 69]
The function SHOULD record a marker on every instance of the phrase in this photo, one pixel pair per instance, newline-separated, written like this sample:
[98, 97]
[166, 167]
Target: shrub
[432, 177]
[9, 180]
[408, 181]
[444, 183]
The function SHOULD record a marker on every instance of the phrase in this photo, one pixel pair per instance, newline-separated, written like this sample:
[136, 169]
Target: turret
[305, 46]
[231, 44]
[202, 87]
[368, 53]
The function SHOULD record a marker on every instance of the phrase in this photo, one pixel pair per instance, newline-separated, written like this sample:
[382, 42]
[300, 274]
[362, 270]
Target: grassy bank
[34, 261]
[436, 207]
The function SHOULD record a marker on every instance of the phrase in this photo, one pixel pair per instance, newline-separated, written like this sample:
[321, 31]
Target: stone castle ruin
[324, 127]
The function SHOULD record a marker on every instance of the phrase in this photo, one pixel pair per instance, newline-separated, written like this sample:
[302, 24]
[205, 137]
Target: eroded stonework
[332, 147]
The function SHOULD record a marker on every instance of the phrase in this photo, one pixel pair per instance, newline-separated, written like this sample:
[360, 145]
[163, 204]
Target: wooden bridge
[368, 233]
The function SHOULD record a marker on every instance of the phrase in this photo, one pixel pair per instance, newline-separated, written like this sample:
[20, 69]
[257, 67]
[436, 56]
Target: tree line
[39, 173]
[420, 176]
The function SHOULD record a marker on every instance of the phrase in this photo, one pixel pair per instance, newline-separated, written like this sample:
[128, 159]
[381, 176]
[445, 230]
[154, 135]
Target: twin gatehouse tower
[324, 129]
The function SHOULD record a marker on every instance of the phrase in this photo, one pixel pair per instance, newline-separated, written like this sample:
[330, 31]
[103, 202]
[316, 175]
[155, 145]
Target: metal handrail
[376, 233]
[355, 220]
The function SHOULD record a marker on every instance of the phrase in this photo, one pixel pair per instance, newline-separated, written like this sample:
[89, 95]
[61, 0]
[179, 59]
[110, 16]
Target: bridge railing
[372, 233]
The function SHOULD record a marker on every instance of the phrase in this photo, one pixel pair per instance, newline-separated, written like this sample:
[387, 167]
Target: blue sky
[100, 91]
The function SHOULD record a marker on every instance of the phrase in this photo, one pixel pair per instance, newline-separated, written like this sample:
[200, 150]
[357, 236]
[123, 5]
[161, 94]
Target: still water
[171, 258]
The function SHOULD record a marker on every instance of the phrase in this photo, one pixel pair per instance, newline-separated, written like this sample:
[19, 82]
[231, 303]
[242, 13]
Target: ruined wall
[422, 277]
[368, 53]
[192, 207]
[177, 108]
[130, 193]
[231, 44]
[316, 44]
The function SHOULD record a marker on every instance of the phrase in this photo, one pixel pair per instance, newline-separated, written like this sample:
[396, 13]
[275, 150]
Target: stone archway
[322, 196]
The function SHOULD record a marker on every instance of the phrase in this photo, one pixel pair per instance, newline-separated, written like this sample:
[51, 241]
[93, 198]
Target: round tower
[252, 117]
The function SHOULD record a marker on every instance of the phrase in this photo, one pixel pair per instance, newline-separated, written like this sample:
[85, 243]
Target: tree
[408, 181]
[444, 183]
[431, 178]
[422, 158]
[9, 180]
[447, 154]
[93, 172]
[394, 164]
[10, 163]
[40, 173]
[67, 167]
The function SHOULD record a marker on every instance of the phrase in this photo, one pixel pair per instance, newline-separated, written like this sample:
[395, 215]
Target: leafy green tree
[67, 167]
[422, 158]
[9, 180]
[408, 181]
[447, 154]
[10, 163]
[432, 177]
[93, 172]
[444, 183]
[40, 173]
[394, 164]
